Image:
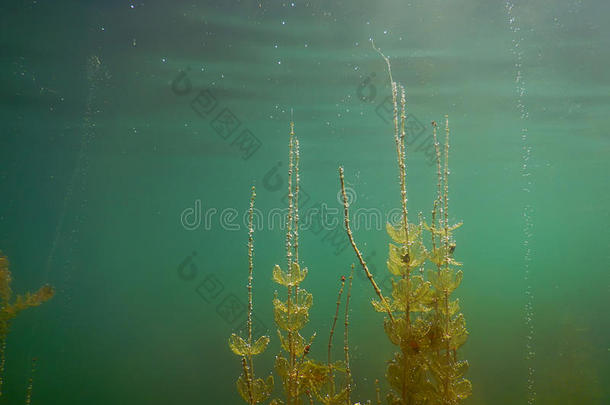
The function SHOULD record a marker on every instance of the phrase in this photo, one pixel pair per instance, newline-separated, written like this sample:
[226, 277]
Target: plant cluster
[422, 319]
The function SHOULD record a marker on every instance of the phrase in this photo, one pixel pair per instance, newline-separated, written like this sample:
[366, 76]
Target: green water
[113, 160]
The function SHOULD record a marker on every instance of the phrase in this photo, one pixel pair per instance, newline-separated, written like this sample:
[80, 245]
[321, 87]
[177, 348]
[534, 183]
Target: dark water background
[104, 143]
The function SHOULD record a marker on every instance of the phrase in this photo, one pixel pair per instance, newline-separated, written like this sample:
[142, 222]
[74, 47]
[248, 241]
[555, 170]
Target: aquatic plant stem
[446, 249]
[296, 201]
[302, 359]
[289, 219]
[433, 228]
[248, 376]
[295, 216]
[438, 198]
[348, 371]
[331, 376]
[446, 192]
[250, 271]
[398, 139]
[403, 199]
[310, 397]
[402, 165]
[2, 360]
[378, 392]
[28, 393]
[357, 251]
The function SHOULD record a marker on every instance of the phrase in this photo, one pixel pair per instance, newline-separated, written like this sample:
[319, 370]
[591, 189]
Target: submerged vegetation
[302, 378]
[10, 308]
[421, 319]
[253, 390]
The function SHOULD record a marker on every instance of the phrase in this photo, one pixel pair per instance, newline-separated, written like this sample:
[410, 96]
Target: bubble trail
[97, 74]
[94, 67]
[527, 211]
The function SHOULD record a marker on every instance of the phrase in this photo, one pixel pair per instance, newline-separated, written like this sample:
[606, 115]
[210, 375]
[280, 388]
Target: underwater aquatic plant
[302, 377]
[253, 390]
[10, 308]
[30, 388]
[447, 325]
[422, 319]
[292, 314]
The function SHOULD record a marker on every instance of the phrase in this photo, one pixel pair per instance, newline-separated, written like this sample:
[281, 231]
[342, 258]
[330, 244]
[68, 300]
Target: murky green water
[131, 133]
